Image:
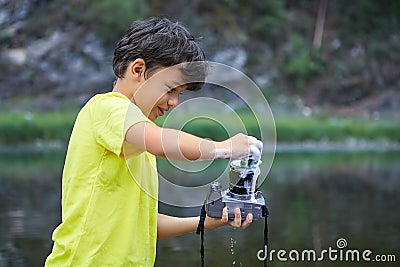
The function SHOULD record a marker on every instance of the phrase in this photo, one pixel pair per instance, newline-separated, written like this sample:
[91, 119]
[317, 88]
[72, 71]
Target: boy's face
[160, 92]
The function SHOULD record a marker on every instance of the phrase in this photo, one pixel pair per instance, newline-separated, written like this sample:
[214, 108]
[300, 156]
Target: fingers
[255, 152]
[255, 142]
[256, 148]
[224, 217]
[248, 221]
[237, 147]
[237, 222]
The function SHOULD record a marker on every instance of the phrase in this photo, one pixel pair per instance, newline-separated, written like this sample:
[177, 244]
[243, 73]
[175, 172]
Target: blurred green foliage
[265, 19]
[27, 128]
[301, 64]
[335, 129]
[367, 20]
[108, 18]
[113, 17]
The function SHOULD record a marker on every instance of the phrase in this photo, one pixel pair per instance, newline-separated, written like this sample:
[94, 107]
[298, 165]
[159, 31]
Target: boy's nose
[173, 101]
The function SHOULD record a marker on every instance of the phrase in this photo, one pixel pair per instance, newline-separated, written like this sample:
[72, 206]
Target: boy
[109, 186]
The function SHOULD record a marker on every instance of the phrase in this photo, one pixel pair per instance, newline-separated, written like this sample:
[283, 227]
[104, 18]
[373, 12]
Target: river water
[317, 202]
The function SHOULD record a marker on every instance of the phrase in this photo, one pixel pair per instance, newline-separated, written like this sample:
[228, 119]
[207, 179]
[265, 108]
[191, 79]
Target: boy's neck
[121, 86]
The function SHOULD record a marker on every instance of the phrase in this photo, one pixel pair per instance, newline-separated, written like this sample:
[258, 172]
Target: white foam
[221, 153]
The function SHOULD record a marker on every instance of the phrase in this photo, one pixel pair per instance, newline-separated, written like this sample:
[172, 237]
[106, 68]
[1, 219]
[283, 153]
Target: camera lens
[241, 179]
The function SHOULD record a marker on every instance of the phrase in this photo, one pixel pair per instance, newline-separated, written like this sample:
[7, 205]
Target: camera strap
[266, 236]
[200, 230]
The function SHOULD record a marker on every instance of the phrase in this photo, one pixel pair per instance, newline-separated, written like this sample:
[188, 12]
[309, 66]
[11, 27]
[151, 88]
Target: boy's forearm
[169, 226]
[171, 143]
[178, 145]
[184, 146]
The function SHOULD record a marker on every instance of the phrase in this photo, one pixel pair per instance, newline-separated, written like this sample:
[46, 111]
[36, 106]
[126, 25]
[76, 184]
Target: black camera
[241, 194]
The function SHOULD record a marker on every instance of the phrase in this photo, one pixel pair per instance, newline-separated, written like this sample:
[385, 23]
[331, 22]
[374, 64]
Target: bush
[108, 18]
[28, 127]
[301, 65]
[111, 18]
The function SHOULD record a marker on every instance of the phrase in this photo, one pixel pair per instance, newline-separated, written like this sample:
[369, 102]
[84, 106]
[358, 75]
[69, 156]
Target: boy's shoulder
[109, 99]
[103, 105]
[109, 96]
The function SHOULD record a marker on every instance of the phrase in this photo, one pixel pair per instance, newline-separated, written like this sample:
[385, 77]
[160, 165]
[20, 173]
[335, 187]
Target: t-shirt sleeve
[112, 117]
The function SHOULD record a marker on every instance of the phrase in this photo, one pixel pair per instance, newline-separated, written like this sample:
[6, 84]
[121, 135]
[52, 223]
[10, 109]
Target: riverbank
[35, 129]
[347, 146]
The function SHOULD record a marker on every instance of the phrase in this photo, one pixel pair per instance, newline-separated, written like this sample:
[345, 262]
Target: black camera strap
[200, 231]
[266, 236]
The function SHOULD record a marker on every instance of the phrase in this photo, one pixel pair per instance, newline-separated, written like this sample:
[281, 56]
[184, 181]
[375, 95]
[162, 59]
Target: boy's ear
[137, 68]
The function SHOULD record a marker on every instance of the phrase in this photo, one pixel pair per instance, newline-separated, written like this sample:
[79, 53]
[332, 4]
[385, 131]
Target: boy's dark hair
[161, 43]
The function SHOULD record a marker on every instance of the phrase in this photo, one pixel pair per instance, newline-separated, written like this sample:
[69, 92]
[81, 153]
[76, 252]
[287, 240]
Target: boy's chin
[154, 114]
[152, 117]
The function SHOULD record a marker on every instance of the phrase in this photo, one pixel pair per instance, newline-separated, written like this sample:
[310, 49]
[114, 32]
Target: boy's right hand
[239, 146]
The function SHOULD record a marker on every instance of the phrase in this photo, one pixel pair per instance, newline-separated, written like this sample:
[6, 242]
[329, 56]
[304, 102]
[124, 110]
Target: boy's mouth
[160, 111]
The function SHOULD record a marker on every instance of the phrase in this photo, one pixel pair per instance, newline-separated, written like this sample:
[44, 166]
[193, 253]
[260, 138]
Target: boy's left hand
[211, 223]
[237, 222]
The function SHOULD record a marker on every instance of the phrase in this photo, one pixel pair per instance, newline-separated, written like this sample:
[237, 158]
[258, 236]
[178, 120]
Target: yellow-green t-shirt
[109, 199]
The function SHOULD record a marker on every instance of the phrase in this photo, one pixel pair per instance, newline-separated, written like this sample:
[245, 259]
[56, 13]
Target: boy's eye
[172, 89]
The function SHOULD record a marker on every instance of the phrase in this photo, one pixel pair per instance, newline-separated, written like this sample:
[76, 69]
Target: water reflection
[29, 206]
[314, 199]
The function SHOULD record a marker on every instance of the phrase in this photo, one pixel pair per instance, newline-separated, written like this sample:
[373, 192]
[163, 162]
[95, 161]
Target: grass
[20, 128]
[28, 127]
[336, 129]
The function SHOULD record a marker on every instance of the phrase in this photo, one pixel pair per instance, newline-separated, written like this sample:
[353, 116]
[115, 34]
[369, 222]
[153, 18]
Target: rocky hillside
[63, 61]
[53, 52]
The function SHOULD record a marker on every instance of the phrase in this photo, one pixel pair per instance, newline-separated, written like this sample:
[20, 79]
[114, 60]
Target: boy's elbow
[156, 151]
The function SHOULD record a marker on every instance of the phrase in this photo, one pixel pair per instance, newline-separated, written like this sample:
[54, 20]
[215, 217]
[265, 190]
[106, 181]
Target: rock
[17, 56]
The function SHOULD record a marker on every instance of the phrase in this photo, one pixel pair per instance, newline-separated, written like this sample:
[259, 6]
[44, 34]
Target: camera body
[241, 193]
